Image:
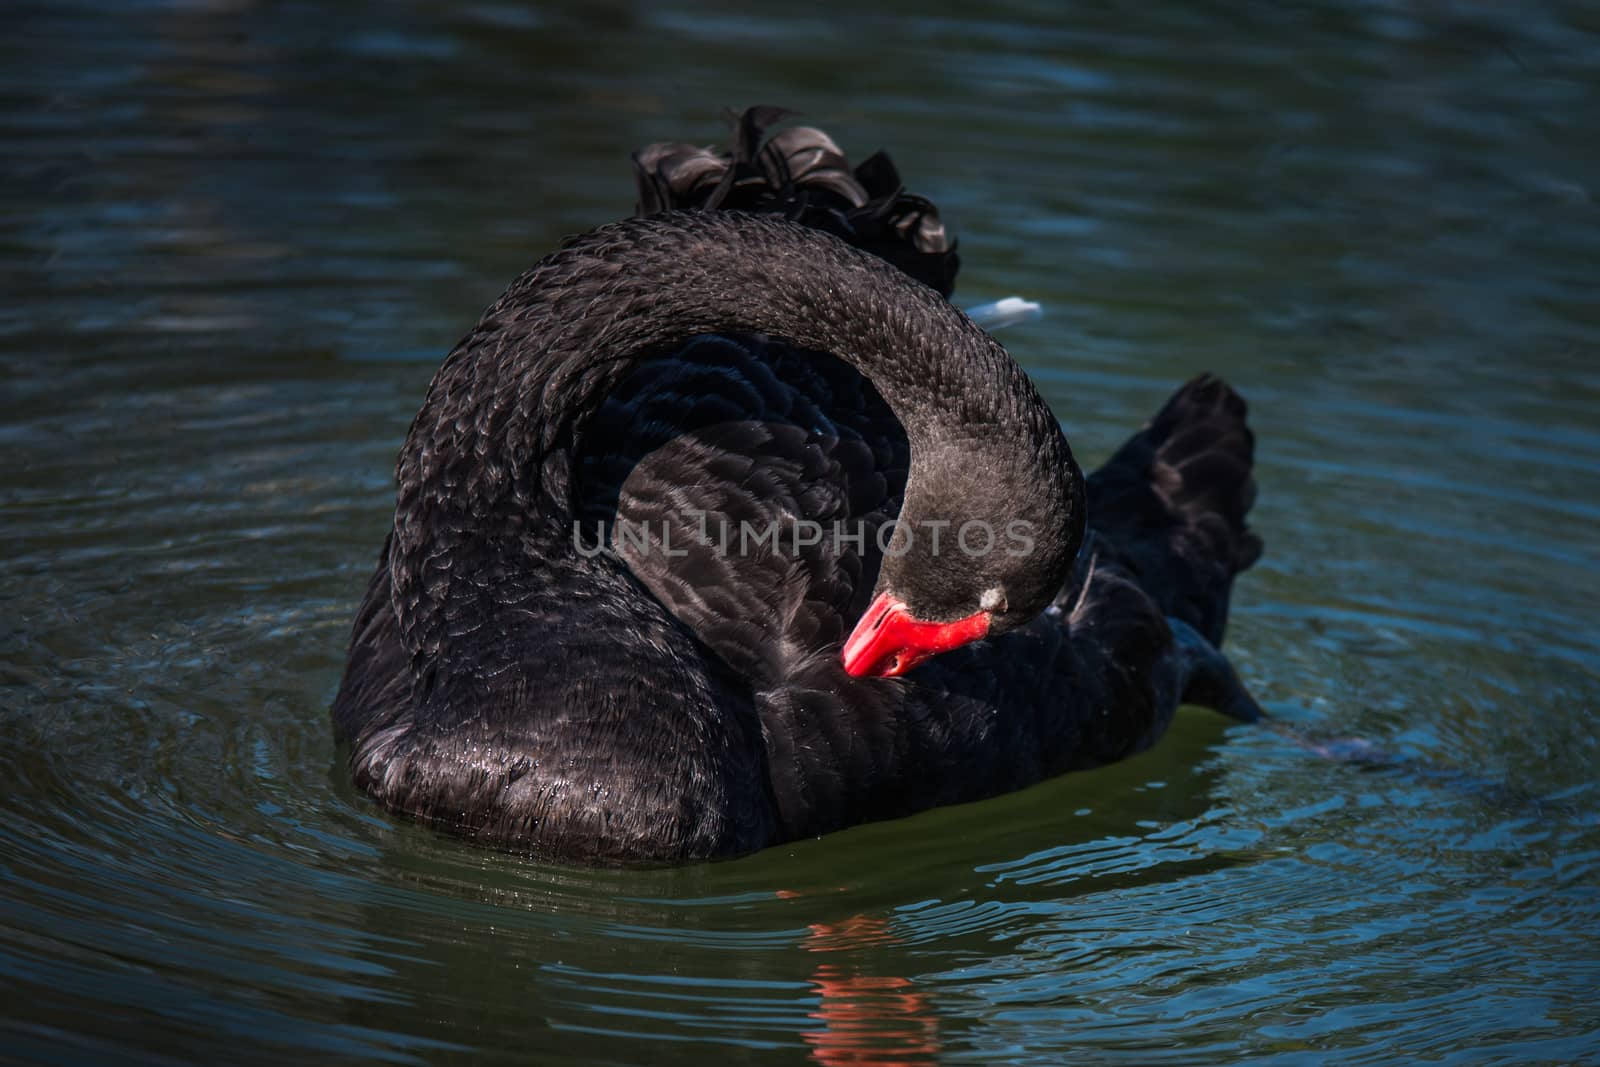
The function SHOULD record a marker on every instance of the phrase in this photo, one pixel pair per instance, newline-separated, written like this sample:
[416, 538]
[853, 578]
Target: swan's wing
[1170, 505]
[712, 467]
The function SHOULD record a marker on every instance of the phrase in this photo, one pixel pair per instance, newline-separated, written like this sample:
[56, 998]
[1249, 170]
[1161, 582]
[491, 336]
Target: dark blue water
[236, 238]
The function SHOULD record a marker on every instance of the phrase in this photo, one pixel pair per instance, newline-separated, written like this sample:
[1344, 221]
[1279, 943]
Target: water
[237, 238]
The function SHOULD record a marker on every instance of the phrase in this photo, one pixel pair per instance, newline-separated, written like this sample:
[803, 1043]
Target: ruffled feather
[803, 175]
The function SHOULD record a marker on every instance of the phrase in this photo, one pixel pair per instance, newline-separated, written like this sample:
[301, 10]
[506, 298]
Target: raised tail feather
[1171, 505]
[802, 174]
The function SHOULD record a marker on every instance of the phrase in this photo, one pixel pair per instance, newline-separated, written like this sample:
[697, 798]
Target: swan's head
[975, 556]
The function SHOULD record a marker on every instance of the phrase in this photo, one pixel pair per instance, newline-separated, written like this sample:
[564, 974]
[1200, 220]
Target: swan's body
[699, 374]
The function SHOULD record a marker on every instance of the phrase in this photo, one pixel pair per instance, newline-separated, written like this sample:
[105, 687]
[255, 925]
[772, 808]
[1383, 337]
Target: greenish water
[236, 239]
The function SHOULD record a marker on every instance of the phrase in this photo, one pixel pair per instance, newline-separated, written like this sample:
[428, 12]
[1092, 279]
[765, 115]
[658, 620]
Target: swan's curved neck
[490, 451]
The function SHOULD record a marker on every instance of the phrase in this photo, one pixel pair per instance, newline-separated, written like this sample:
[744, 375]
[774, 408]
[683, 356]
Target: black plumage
[801, 174]
[679, 699]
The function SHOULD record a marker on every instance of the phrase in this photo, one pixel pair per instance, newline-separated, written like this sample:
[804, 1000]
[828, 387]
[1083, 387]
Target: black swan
[717, 532]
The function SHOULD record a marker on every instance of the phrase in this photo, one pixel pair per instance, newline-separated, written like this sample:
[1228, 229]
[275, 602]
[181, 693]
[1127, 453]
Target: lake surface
[237, 239]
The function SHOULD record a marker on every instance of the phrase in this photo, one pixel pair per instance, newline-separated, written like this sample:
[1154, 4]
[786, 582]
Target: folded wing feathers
[801, 173]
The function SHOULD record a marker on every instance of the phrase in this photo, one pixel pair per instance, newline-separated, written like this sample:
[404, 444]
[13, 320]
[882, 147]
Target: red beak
[888, 642]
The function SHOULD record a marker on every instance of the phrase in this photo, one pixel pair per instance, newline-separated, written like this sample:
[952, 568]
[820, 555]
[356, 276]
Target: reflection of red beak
[888, 641]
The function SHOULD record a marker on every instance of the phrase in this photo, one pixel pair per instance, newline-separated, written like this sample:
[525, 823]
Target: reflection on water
[238, 237]
[866, 1018]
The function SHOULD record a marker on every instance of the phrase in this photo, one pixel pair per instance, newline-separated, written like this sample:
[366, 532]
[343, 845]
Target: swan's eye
[993, 599]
